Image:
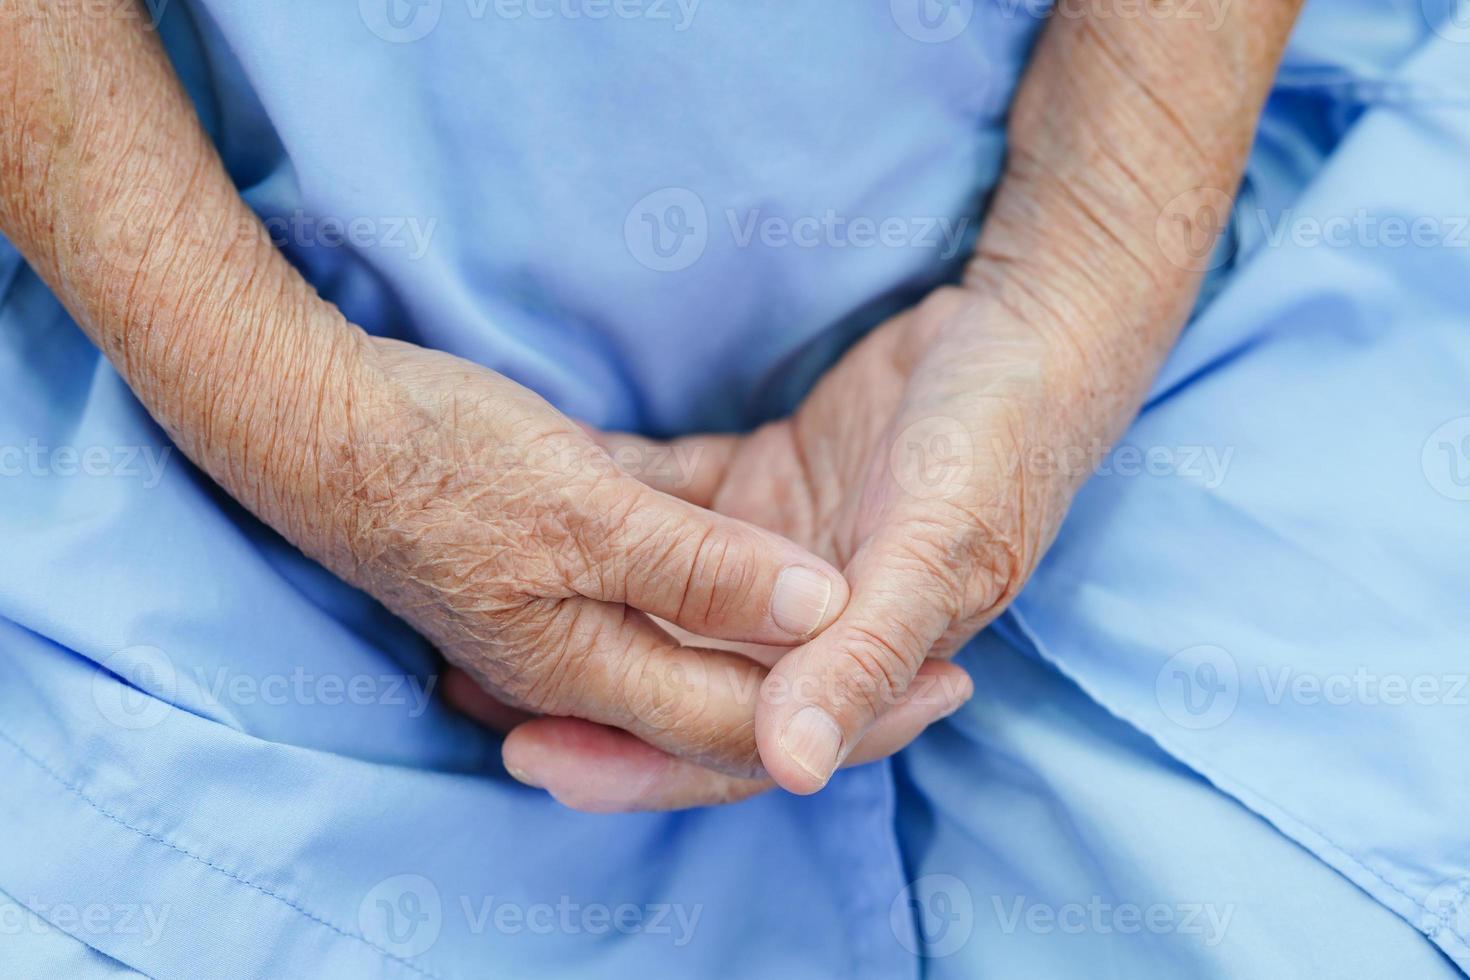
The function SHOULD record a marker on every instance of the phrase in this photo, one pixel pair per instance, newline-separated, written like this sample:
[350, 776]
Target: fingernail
[812, 740]
[799, 602]
[521, 776]
[967, 691]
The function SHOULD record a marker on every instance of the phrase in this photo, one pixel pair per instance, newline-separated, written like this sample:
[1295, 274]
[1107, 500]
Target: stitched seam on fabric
[1184, 757]
[301, 910]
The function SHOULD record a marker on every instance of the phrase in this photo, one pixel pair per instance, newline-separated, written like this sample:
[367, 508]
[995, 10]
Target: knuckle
[656, 697]
[545, 666]
[737, 753]
[731, 750]
[871, 669]
[665, 697]
[671, 703]
[932, 565]
[993, 557]
[599, 528]
[720, 577]
[575, 515]
[971, 562]
[612, 526]
[419, 532]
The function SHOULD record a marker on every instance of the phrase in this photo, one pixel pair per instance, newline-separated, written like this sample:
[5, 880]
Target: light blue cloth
[220, 761]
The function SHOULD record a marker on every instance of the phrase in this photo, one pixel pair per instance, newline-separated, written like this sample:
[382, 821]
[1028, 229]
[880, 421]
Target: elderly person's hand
[935, 462]
[905, 466]
[911, 466]
[506, 535]
[463, 501]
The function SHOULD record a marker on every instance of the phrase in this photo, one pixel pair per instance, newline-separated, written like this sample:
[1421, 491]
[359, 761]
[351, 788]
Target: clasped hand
[846, 551]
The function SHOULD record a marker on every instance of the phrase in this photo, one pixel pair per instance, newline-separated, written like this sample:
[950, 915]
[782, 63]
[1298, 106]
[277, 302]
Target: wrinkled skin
[908, 468]
[490, 522]
[500, 529]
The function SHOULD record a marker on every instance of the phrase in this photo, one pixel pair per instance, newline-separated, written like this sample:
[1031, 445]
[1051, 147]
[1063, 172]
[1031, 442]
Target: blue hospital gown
[1221, 734]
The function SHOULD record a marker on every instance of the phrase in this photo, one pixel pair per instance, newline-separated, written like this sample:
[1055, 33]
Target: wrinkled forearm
[1127, 139]
[113, 193]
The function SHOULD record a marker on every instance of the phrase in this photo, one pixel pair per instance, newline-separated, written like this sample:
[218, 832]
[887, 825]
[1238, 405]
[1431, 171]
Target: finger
[690, 468]
[766, 656]
[707, 573]
[466, 696]
[820, 698]
[770, 488]
[612, 665]
[596, 769]
[602, 770]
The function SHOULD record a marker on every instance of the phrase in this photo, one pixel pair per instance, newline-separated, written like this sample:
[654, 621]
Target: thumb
[712, 575]
[819, 699]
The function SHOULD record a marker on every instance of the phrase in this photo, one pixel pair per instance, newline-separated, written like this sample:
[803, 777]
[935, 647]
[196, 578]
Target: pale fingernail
[962, 697]
[812, 740]
[799, 602]
[521, 776]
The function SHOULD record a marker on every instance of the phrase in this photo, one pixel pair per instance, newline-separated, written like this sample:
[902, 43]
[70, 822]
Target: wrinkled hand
[462, 501]
[913, 467]
[499, 529]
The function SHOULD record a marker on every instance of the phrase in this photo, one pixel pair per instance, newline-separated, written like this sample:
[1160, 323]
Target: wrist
[249, 371]
[1088, 265]
[1080, 373]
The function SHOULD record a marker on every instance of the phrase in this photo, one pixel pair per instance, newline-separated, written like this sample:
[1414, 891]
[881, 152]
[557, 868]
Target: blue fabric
[199, 728]
[38, 950]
